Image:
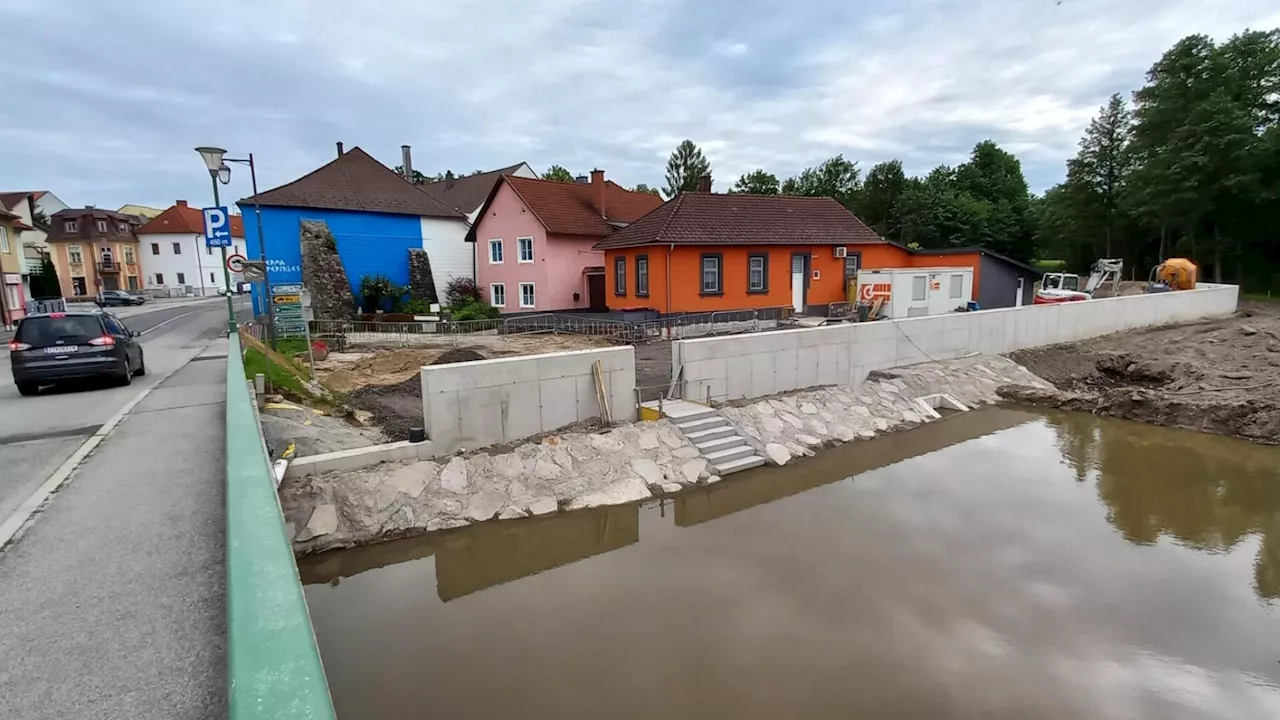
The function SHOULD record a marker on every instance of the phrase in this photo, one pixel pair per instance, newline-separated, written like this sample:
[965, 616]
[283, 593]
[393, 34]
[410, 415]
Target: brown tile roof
[9, 200]
[87, 228]
[739, 219]
[467, 193]
[5, 214]
[356, 182]
[182, 218]
[570, 208]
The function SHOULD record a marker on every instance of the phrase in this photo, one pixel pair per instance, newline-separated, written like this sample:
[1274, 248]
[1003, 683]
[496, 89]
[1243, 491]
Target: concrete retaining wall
[749, 366]
[476, 404]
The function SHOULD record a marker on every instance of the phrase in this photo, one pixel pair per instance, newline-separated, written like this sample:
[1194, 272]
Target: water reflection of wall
[1206, 492]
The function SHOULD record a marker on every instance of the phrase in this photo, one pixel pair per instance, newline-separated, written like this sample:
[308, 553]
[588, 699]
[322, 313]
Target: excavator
[1172, 274]
[1104, 281]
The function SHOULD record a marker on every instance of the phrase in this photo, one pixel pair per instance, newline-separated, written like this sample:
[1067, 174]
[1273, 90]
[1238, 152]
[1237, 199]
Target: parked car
[53, 347]
[119, 297]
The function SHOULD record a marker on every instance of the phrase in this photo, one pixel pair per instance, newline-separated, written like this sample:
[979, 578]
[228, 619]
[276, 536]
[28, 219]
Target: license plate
[61, 349]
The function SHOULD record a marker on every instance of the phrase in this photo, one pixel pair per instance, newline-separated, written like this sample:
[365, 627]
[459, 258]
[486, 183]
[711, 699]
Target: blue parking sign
[217, 227]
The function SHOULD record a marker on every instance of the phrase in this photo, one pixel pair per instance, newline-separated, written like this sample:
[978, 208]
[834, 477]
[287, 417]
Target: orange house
[702, 252]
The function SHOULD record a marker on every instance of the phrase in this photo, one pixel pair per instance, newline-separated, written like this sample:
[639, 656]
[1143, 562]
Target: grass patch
[291, 346]
[1049, 265]
[1262, 297]
[279, 377]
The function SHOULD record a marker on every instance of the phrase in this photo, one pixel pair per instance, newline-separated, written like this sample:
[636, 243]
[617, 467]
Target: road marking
[20, 519]
[28, 437]
[166, 322]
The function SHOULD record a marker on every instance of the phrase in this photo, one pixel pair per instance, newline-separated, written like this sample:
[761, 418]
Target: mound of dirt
[1220, 376]
[458, 355]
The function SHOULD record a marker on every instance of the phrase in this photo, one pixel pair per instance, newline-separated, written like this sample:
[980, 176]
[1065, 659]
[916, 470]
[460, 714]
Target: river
[999, 563]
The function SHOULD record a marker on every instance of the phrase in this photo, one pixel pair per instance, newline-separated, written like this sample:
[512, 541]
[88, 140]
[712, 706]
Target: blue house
[375, 215]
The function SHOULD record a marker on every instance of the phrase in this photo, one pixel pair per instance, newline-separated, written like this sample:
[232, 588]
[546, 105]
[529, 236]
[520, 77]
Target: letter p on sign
[217, 227]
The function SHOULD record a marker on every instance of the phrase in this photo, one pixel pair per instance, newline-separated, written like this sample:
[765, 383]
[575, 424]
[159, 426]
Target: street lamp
[212, 157]
[225, 172]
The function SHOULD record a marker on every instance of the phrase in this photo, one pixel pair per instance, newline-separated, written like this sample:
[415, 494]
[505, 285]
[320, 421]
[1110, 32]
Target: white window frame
[956, 290]
[919, 283]
[719, 275]
[71, 226]
[73, 254]
[124, 228]
[496, 243]
[520, 244]
[764, 273]
[494, 290]
[532, 292]
[4, 239]
[102, 226]
[129, 256]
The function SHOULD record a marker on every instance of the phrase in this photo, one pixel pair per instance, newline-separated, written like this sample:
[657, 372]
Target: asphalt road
[37, 434]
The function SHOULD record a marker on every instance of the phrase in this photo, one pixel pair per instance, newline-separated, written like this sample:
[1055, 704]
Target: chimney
[597, 184]
[339, 148]
[704, 184]
[448, 179]
[180, 203]
[406, 159]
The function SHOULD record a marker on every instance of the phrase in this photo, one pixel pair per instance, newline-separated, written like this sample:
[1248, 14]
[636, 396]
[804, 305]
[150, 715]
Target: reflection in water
[1204, 491]
[1000, 563]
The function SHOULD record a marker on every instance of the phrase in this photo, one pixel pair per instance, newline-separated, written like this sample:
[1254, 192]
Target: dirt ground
[1220, 376]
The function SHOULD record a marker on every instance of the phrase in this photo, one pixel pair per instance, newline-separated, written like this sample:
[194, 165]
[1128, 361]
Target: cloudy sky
[106, 100]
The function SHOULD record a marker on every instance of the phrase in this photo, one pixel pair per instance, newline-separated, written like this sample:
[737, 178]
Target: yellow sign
[286, 299]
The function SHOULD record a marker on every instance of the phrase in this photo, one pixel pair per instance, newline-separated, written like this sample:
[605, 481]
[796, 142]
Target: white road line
[19, 519]
[166, 322]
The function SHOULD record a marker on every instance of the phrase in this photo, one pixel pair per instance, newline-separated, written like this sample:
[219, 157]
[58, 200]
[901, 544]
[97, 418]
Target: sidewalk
[112, 603]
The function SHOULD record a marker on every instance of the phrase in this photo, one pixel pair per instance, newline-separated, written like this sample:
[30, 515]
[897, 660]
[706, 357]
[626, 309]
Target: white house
[174, 257]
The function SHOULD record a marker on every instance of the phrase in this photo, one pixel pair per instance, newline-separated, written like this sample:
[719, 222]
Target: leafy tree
[642, 188]
[44, 284]
[1097, 174]
[885, 183]
[834, 178]
[756, 182]
[40, 219]
[992, 178]
[461, 291]
[418, 178]
[685, 167]
[558, 173]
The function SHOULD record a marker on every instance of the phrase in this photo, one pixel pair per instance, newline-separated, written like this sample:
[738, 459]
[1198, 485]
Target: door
[799, 281]
[110, 282]
[595, 293]
[851, 262]
[1017, 302]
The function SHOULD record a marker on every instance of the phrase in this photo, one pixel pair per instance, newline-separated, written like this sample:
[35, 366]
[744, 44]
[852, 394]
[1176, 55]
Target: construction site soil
[1219, 376]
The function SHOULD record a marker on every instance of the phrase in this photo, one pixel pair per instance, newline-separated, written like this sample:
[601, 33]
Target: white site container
[916, 292]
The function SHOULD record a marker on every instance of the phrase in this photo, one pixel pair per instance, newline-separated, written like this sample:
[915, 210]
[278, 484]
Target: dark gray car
[119, 297]
[53, 347]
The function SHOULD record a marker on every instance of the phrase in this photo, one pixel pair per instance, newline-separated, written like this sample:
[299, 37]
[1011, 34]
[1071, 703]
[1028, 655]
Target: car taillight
[15, 346]
[105, 340]
[57, 315]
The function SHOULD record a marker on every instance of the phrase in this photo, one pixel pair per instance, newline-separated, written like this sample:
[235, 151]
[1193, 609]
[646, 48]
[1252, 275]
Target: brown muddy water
[997, 564]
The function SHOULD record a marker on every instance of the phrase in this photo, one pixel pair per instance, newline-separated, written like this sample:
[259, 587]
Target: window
[108, 260]
[526, 295]
[211, 278]
[4, 239]
[495, 252]
[177, 248]
[182, 278]
[155, 248]
[78, 286]
[73, 254]
[711, 284]
[957, 285]
[918, 284]
[642, 275]
[102, 226]
[208, 250]
[498, 295]
[757, 273]
[124, 228]
[128, 254]
[159, 278]
[524, 246]
[620, 276]
[70, 226]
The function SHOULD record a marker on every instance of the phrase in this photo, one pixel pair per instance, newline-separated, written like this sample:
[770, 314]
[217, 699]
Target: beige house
[94, 250]
[12, 298]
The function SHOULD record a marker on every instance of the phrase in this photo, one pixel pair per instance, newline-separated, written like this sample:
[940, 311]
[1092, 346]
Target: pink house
[534, 241]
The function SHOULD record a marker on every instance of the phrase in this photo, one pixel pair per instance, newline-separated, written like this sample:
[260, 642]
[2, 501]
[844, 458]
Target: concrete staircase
[717, 440]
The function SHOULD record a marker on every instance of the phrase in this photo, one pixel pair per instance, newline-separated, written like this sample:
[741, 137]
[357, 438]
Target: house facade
[375, 215]
[93, 250]
[535, 241]
[176, 261]
[31, 232]
[13, 298]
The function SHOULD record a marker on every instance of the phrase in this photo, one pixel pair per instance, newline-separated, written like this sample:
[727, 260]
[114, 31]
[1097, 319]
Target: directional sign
[217, 227]
[235, 263]
[287, 300]
[286, 310]
[286, 289]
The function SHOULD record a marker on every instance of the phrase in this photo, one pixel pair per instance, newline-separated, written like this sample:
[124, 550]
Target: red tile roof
[182, 218]
[570, 208]
[739, 219]
[468, 192]
[356, 182]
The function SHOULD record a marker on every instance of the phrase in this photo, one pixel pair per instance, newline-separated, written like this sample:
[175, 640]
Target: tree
[1097, 174]
[44, 284]
[558, 173]
[685, 168]
[756, 182]
[834, 178]
[418, 178]
[884, 185]
[40, 219]
[642, 188]
[992, 178]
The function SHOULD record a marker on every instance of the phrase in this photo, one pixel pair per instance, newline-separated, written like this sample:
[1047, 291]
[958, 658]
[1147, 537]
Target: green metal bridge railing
[274, 664]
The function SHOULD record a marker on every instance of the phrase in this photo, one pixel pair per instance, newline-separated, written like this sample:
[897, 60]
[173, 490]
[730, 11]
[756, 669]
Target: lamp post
[218, 171]
[262, 246]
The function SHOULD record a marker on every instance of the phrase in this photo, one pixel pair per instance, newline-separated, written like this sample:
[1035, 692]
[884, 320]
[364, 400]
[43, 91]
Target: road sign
[286, 310]
[235, 263]
[217, 227]
[255, 271]
[294, 289]
[287, 300]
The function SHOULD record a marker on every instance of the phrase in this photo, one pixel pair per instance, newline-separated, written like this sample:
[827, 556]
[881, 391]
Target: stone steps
[717, 440]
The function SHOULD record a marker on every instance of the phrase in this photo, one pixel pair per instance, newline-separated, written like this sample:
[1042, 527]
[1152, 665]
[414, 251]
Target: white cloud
[581, 83]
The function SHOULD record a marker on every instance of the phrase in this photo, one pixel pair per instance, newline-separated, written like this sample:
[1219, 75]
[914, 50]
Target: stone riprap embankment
[626, 464]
